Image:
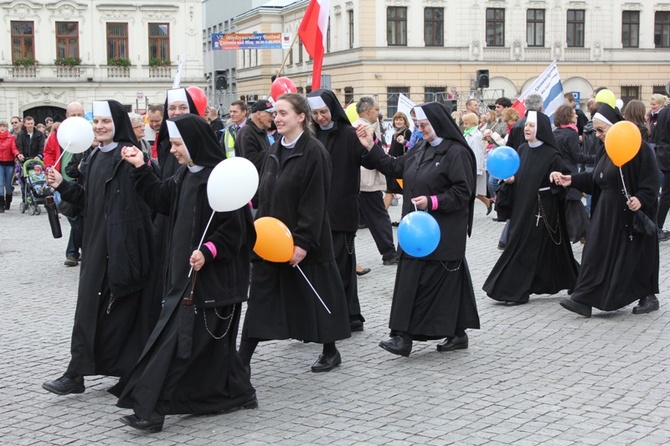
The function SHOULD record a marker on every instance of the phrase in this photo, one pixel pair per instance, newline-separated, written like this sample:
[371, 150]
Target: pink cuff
[433, 200]
[211, 248]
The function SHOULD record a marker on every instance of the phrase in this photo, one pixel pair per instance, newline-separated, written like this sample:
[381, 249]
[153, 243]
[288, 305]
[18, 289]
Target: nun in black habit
[190, 363]
[335, 132]
[538, 258]
[178, 102]
[619, 264]
[433, 296]
[113, 318]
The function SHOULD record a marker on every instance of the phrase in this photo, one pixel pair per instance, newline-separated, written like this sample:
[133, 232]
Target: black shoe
[362, 271]
[489, 208]
[576, 307]
[663, 236]
[326, 363]
[501, 246]
[138, 423]
[455, 343]
[391, 261]
[511, 303]
[646, 305]
[252, 403]
[71, 261]
[395, 224]
[65, 385]
[499, 220]
[397, 345]
[356, 325]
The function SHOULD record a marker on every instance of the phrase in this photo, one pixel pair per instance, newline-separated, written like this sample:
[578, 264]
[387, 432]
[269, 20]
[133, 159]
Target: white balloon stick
[203, 238]
[177, 78]
[61, 154]
[310, 285]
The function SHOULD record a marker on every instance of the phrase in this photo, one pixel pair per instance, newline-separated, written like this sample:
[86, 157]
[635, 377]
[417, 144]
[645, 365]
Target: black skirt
[283, 306]
[432, 299]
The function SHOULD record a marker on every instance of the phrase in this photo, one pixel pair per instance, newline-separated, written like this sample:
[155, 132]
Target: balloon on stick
[75, 135]
[282, 85]
[199, 99]
[606, 97]
[619, 104]
[418, 234]
[232, 184]
[351, 112]
[622, 142]
[274, 243]
[503, 162]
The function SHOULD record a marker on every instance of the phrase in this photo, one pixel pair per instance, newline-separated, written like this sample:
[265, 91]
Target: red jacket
[8, 150]
[52, 151]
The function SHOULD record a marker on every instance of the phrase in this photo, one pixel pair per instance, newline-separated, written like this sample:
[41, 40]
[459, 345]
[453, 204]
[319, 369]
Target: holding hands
[559, 179]
[365, 135]
[133, 155]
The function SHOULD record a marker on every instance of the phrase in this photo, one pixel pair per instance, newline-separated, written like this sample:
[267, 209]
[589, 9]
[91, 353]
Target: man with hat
[252, 139]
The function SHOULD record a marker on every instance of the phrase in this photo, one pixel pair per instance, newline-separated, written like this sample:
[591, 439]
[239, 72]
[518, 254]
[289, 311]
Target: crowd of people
[161, 289]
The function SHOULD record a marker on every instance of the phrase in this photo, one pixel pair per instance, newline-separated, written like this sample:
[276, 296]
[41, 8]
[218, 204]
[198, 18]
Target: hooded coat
[190, 364]
[619, 266]
[109, 330]
[538, 258]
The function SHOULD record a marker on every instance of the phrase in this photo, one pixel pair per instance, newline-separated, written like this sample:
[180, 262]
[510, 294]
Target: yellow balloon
[622, 142]
[352, 114]
[606, 97]
[400, 183]
[274, 241]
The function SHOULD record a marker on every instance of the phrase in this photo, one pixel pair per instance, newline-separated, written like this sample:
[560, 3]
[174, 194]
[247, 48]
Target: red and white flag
[313, 33]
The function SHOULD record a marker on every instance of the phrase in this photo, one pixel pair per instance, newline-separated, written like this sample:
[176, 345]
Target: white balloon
[619, 104]
[75, 134]
[232, 184]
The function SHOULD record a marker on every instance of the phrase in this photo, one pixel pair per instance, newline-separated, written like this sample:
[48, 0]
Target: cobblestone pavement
[534, 374]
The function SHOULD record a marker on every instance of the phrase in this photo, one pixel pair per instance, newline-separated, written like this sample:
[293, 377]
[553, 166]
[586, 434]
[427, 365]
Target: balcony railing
[161, 72]
[496, 54]
[67, 72]
[118, 72]
[24, 72]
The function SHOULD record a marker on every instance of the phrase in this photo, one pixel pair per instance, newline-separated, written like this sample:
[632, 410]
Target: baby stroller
[34, 186]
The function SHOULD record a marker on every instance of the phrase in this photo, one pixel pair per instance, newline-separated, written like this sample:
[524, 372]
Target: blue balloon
[503, 162]
[88, 116]
[418, 234]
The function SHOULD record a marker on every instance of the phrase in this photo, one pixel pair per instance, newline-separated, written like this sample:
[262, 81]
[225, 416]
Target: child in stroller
[36, 188]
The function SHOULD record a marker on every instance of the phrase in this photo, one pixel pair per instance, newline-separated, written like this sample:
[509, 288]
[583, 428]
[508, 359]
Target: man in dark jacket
[30, 142]
[113, 317]
[252, 140]
[662, 136]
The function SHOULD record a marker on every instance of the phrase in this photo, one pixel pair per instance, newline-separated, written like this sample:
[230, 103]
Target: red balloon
[199, 99]
[282, 85]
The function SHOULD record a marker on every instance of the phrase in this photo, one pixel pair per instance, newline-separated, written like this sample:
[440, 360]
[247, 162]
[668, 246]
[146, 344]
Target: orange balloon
[399, 180]
[622, 142]
[274, 241]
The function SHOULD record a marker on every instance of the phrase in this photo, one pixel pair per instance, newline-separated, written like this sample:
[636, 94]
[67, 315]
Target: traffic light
[221, 81]
[482, 78]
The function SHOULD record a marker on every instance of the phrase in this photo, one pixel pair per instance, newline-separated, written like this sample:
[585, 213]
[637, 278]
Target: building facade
[432, 49]
[57, 51]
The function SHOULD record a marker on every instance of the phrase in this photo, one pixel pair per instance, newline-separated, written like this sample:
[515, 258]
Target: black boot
[2, 204]
[8, 201]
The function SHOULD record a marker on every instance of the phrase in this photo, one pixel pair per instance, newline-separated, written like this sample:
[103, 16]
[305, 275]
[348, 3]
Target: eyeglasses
[423, 125]
[138, 126]
[599, 130]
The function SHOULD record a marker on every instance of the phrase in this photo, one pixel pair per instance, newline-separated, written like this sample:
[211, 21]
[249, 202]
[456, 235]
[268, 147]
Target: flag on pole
[548, 85]
[313, 33]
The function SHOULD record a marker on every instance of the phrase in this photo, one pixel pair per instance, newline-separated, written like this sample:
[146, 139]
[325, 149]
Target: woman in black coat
[433, 296]
[567, 138]
[190, 364]
[294, 188]
[619, 264]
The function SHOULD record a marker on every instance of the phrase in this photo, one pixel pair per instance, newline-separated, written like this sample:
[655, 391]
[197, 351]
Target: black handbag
[642, 224]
